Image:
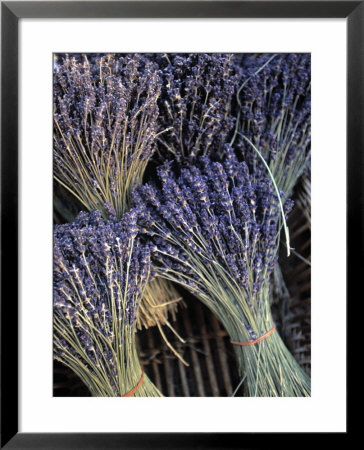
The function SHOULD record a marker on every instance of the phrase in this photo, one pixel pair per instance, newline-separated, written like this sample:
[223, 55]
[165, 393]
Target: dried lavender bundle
[274, 115]
[195, 104]
[105, 129]
[100, 273]
[105, 123]
[215, 230]
[274, 120]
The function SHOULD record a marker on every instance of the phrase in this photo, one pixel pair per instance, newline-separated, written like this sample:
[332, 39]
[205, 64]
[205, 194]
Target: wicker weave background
[212, 370]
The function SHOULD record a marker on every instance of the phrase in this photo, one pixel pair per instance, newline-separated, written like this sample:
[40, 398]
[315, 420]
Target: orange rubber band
[128, 394]
[263, 336]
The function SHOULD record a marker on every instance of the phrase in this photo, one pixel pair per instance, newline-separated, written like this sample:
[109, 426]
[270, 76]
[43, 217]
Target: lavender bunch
[215, 230]
[100, 273]
[105, 125]
[105, 129]
[195, 103]
[274, 115]
[273, 128]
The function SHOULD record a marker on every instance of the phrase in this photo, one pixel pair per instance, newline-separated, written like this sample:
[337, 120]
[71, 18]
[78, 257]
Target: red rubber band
[128, 394]
[263, 336]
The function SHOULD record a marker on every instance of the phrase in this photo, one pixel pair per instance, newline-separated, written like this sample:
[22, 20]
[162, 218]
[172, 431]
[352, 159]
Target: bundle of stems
[215, 230]
[274, 115]
[273, 127]
[100, 272]
[105, 129]
[268, 366]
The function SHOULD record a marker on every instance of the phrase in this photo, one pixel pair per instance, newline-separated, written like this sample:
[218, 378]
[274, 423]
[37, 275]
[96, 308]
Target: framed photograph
[180, 195]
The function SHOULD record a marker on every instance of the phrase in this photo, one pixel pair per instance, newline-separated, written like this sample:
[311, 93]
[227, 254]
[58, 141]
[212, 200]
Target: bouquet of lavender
[105, 129]
[273, 115]
[105, 123]
[273, 127]
[215, 230]
[100, 273]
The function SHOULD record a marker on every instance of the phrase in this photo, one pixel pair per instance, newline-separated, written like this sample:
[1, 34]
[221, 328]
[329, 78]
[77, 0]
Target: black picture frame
[11, 12]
